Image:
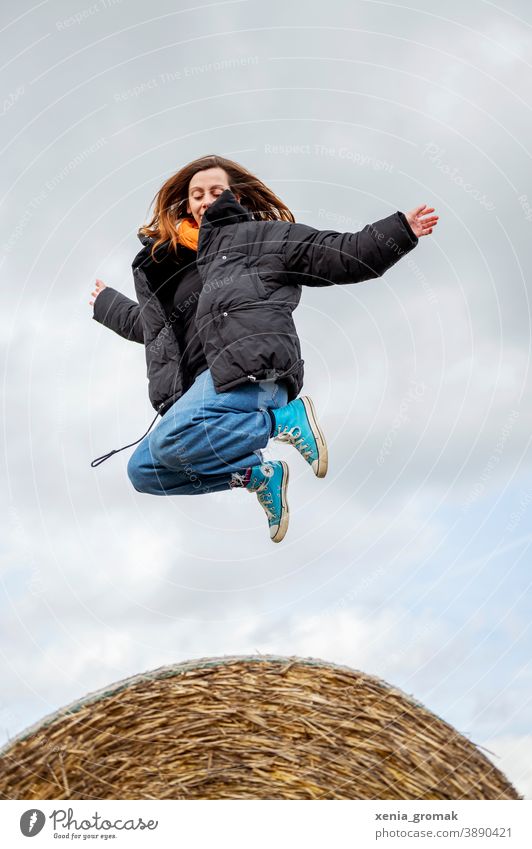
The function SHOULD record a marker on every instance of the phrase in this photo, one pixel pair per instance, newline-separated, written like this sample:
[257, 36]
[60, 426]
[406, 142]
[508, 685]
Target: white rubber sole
[323, 455]
[285, 512]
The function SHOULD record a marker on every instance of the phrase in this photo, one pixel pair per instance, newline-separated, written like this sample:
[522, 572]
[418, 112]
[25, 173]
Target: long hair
[171, 199]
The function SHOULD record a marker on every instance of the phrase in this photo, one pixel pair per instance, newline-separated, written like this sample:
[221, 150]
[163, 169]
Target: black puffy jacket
[252, 273]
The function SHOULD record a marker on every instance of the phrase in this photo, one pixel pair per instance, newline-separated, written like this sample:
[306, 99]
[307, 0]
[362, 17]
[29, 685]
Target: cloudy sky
[411, 560]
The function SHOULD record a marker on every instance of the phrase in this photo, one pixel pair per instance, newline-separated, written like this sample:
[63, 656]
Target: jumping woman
[218, 277]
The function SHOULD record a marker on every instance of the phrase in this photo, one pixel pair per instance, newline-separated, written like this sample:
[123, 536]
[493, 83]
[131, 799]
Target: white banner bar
[259, 825]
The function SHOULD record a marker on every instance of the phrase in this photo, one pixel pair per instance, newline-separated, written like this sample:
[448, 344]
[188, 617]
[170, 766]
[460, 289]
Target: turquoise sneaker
[297, 425]
[269, 481]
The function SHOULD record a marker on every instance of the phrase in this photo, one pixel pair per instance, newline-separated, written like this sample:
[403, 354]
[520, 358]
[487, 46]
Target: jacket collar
[146, 240]
[225, 210]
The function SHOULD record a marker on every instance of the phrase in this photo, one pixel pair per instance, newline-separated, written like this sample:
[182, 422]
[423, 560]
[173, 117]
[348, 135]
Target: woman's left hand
[420, 224]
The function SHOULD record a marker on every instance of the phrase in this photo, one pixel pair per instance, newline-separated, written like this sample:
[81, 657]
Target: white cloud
[512, 754]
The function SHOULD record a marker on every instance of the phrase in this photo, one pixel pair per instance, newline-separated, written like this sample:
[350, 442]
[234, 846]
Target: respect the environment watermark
[493, 461]
[49, 186]
[84, 14]
[10, 99]
[525, 206]
[185, 73]
[415, 392]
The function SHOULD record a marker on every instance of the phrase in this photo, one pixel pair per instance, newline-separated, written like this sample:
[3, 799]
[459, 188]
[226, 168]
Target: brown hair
[170, 201]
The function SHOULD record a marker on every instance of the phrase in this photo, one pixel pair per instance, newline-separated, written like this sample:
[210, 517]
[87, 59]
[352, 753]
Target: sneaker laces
[290, 436]
[237, 479]
[265, 499]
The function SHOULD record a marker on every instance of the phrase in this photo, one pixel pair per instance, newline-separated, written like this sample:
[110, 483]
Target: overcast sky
[411, 560]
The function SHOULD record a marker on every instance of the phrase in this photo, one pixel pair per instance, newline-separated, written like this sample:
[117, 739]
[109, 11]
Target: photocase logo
[32, 822]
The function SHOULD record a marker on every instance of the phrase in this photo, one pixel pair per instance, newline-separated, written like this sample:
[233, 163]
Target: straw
[247, 727]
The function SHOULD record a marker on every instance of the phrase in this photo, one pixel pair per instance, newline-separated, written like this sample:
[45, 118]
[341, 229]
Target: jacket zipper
[249, 304]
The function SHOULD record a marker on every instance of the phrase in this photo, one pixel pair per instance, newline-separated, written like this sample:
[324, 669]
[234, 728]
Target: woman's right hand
[97, 289]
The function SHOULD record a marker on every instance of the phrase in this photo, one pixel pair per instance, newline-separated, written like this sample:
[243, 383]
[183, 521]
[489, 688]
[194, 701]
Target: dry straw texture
[259, 727]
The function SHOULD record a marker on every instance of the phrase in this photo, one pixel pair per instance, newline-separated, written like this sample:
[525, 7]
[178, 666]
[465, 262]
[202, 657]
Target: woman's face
[203, 189]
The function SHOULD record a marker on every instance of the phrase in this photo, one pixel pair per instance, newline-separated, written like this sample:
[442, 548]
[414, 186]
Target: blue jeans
[205, 437]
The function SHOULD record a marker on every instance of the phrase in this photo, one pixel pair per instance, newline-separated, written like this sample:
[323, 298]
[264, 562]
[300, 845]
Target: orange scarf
[187, 233]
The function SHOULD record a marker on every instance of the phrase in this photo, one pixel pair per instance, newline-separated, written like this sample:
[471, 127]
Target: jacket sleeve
[119, 313]
[325, 257]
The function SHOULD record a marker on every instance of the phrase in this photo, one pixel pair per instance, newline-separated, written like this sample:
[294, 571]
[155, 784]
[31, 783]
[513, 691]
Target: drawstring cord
[105, 457]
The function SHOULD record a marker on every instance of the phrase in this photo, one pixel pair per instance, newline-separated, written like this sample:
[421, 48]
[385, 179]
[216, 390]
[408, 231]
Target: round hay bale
[253, 727]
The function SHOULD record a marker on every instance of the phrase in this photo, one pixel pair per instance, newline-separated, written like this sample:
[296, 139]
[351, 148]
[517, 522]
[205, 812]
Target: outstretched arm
[325, 257]
[117, 312]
